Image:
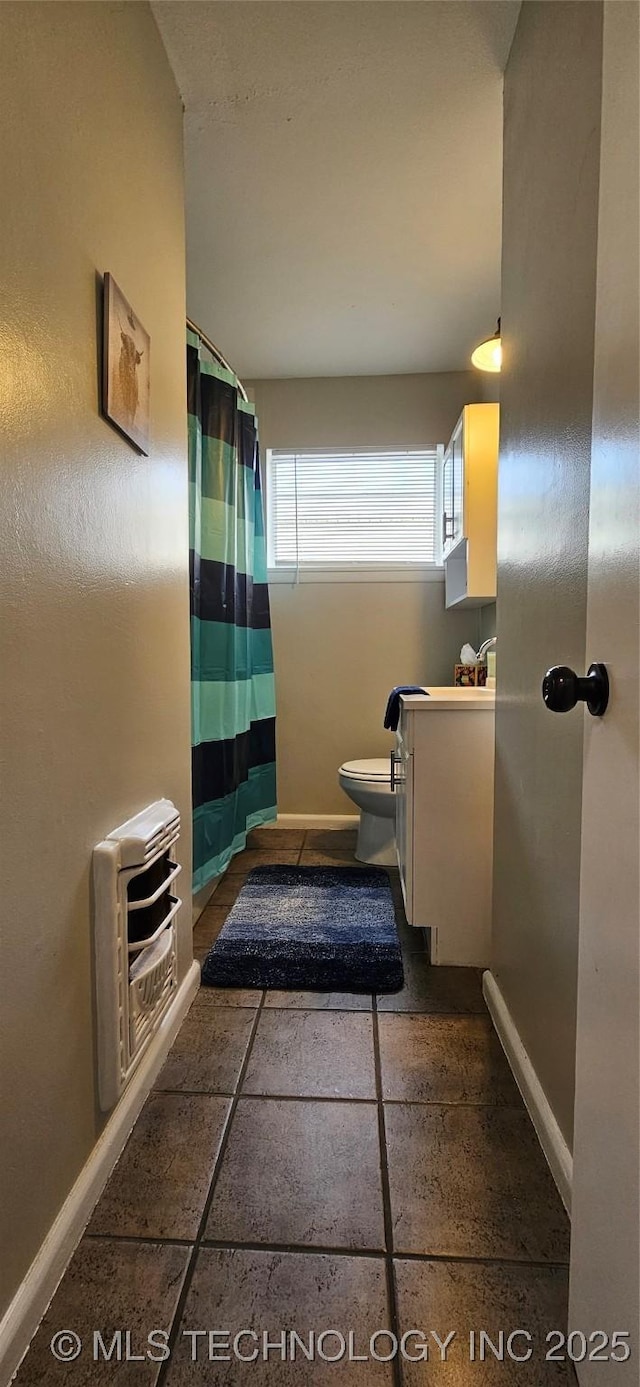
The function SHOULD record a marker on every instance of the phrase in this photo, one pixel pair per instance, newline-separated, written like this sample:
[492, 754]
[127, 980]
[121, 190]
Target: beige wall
[488, 621]
[551, 150]
[340, 647]
[362, 411]
[93, 585]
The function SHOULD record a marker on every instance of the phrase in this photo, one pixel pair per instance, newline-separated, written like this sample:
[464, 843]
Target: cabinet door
[447, 500]
[403, 786]
[457, 468]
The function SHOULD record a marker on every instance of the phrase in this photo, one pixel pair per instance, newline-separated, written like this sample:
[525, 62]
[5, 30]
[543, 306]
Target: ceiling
[344, 163]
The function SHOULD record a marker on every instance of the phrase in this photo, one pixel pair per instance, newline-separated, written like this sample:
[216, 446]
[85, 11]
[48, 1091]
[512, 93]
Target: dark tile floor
[313, 1162]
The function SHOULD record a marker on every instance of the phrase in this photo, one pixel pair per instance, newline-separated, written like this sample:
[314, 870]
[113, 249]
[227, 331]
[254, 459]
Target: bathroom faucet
[487, 645]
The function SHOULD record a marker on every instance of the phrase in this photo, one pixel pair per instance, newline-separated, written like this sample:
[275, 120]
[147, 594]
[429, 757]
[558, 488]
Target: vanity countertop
[449, 698]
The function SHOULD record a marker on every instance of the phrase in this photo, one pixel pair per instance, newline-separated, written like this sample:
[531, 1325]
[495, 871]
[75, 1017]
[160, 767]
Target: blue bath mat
[310, 929]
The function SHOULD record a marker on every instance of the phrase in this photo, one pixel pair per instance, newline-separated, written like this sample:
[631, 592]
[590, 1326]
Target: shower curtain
[232, 681]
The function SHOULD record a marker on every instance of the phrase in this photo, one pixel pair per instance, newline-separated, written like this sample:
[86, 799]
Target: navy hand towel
[392, 715]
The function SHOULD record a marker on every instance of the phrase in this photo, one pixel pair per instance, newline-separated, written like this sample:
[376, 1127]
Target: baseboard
[35, 1293]
[557, 1153]
[315, 821]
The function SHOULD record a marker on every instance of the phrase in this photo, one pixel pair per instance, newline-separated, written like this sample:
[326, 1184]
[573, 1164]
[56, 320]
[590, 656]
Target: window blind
[337, 509]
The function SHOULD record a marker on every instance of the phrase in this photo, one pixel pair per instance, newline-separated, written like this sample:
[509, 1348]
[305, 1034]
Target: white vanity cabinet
[443, 771]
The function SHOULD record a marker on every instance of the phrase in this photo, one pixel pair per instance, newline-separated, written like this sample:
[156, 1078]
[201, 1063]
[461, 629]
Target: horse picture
[126, 375]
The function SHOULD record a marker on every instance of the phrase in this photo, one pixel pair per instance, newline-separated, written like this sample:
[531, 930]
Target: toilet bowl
[368, 784]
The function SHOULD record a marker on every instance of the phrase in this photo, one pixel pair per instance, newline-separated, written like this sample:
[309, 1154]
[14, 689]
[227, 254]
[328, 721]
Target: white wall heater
[134, 873]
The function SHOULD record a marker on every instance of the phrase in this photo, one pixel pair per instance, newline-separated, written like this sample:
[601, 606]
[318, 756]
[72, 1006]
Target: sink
[449, 696]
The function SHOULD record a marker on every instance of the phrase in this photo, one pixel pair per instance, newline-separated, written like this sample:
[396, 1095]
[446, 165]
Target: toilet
[368, 784]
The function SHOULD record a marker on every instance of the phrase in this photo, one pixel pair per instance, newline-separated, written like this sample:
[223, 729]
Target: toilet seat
[368, 784]
[376, 771]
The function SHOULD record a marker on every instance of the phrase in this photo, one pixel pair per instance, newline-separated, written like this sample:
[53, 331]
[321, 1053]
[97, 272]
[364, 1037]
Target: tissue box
[470, 676]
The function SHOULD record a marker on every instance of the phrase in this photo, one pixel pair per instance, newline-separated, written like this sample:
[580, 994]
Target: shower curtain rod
[218, 354]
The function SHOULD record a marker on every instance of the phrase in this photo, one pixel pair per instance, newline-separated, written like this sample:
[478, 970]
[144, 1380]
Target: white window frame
[355, 573]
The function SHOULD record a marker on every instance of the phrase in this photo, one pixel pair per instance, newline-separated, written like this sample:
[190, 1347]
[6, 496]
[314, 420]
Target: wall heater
[134, 874]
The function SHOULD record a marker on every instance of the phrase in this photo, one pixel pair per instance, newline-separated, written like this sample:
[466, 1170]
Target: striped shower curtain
[233, 700]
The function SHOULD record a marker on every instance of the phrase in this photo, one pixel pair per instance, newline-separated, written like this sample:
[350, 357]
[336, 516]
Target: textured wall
[362, 411]
[340, 647]
[551, 150]
[488, 621]
[94, 580]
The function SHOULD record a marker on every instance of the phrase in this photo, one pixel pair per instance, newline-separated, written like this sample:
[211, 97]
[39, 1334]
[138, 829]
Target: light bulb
[488, 354]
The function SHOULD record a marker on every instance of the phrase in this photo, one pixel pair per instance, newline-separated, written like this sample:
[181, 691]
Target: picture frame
[126, 368]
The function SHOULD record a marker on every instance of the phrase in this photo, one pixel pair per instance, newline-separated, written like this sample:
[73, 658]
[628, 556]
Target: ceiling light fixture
[488, 354]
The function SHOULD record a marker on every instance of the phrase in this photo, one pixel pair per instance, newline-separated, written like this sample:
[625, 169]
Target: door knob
[562, 688]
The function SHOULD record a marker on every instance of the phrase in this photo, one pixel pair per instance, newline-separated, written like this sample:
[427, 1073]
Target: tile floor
[322, 1162]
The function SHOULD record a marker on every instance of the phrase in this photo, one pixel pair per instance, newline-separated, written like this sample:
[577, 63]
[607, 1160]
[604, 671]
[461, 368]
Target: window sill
[407, 573]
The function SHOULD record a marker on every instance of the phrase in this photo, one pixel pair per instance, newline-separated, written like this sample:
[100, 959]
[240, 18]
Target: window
[354, 510]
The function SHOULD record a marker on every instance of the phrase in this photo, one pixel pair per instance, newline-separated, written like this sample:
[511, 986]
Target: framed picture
[126, 378]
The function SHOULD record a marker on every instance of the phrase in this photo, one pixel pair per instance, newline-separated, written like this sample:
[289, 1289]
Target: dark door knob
[562, 688]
